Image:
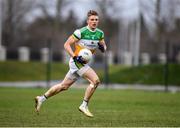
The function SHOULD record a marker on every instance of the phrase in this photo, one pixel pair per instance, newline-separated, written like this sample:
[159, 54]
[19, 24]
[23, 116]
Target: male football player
[89, 37]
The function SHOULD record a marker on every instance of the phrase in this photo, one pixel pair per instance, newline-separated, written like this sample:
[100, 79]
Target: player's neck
[91, 29]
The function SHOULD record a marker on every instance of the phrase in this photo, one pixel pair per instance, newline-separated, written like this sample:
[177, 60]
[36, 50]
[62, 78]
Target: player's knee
[96, 83]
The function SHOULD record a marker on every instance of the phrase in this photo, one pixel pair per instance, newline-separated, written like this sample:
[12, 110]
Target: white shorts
[76, 71]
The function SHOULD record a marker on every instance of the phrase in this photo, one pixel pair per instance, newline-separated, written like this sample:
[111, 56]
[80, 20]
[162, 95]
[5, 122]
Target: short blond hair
[92, 12]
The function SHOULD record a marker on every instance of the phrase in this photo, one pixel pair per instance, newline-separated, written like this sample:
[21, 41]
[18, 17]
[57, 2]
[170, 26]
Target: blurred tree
[70, 23]
[177, 24]
[108, 24]
[14, 21]
[39, 32]
[51, 27]
[51, 24]
[159, 28]
[165, 25]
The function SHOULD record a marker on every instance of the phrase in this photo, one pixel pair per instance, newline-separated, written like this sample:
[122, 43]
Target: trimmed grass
[112, 108]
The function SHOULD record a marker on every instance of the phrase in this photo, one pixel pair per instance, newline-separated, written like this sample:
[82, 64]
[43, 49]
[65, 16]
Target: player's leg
[92, 77]
[64, 85]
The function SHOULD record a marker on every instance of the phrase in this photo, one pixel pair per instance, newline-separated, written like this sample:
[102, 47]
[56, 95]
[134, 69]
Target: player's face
[93, 22]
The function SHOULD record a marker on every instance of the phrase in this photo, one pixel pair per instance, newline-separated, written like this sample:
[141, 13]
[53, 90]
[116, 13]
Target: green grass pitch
[111, 108]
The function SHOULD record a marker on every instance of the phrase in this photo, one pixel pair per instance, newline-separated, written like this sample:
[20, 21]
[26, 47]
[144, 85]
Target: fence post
[166, 67]
[48, 65]
[162, 58]
[178, 57]
[23, 54]
[106, 69]
[145, 58]
[2, 53]
[44, 55]
[127, 58]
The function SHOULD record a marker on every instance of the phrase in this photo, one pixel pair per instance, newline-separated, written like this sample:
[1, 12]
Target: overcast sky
[124, 9]
[80, 7]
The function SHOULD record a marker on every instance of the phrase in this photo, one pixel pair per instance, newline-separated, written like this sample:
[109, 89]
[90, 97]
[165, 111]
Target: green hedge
[21, 71]
[150, 74]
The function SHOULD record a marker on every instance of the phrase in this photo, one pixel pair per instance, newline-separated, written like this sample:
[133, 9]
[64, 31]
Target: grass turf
[110, 107]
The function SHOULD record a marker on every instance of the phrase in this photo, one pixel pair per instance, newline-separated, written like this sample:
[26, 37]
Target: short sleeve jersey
[87, 39]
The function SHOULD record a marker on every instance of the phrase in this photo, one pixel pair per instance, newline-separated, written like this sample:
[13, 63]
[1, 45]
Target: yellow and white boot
[38, 102]
[85, 110]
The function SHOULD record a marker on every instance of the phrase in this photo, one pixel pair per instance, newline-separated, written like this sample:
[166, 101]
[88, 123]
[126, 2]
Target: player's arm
[70, 41]
[102, 45]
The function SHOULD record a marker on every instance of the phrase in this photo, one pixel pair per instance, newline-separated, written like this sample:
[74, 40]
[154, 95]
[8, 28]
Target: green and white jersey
[87, 38]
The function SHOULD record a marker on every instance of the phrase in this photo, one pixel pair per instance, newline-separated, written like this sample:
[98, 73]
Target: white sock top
[42, 98]
[84, 103]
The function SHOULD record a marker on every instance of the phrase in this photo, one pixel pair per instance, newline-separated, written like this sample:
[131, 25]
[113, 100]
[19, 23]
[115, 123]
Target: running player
[89, 37]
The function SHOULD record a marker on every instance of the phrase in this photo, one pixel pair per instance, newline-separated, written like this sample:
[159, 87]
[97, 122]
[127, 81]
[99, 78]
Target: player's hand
[79, 59]
[101, 47]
